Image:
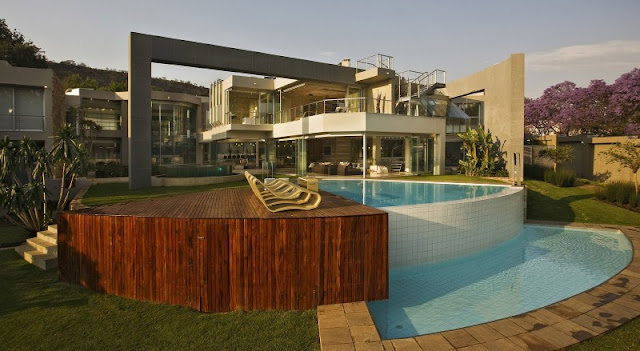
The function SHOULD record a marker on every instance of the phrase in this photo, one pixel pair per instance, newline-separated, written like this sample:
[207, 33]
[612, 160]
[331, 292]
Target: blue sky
[562, 40]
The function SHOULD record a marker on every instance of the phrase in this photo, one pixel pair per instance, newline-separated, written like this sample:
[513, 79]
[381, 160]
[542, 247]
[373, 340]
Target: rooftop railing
[373, 61]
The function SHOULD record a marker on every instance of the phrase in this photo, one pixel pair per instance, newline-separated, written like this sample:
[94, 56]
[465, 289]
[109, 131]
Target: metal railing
[373, 61]
[437, 76]
[343, 105]
[253, 119]
[21, 123]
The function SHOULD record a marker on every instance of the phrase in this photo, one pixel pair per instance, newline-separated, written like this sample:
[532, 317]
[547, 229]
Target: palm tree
[71, 155]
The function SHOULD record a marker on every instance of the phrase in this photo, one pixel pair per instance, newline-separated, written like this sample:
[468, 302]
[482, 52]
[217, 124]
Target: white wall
[432, 232]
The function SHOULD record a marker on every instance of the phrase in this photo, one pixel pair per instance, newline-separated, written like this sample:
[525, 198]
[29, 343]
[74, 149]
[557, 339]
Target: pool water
[379, 193]
[540, 266]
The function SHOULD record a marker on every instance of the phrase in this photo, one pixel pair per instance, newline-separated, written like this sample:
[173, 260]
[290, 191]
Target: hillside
[106, 78]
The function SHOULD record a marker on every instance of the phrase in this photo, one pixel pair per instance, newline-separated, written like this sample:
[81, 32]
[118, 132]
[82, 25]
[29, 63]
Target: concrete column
[376, 150]
[408, 156]
[439, 143]
[139, 118]
[124, 132]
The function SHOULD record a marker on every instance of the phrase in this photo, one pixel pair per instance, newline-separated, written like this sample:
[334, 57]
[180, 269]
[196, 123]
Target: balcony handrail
[340, 105]
[375, 61]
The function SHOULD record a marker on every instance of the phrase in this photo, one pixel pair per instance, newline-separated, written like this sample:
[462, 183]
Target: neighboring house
[27, 103]
[402, 121]
[588, 161]
[176, 120]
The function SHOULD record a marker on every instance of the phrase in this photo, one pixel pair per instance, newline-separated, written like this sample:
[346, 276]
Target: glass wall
[105, 150]
[107, 114]
[251, 106]
[21, 108]
[173, 130]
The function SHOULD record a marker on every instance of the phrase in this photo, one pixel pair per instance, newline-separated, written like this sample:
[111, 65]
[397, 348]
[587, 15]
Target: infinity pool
[540, 266]
[379, 193]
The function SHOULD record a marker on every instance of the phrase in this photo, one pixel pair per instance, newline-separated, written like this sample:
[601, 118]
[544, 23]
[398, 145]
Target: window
[21, 108]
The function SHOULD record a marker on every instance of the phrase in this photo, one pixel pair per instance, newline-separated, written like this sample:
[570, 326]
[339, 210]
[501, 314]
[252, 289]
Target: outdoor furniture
[309, 183]
[283, 196]
[345, 169]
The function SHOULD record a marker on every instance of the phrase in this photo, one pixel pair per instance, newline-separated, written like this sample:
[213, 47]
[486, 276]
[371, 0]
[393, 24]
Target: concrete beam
[192, 54]
[144, 49]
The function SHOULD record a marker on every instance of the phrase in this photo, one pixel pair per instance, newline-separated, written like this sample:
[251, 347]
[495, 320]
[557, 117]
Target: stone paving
[350, 326]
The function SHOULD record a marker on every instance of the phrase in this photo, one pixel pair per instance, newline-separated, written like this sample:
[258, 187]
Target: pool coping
[349, 326]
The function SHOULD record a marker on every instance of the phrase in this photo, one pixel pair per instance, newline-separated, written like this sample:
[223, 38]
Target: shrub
[620, 192]
[562, 178]
[633, 199]
[535, 171]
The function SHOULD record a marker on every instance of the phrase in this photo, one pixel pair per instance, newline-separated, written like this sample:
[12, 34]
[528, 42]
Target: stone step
[53, 228]
[43, 246]
[37, 258]
[49, 236]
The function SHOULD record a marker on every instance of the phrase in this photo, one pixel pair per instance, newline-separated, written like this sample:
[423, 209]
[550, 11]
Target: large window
[173, 129]
[21, 108]
[106, 114]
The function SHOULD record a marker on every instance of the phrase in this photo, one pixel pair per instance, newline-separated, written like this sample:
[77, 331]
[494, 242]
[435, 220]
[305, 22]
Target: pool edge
[561, 324]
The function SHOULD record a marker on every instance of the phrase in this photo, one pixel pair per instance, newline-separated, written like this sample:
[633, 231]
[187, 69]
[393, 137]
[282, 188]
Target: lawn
[39, 313]
[106, 194]
[12, 234]
[577, 204]
[34, 303]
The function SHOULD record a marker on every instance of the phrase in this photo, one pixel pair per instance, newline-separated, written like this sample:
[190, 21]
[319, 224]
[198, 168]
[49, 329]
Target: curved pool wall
[440, 229]
[432, 232]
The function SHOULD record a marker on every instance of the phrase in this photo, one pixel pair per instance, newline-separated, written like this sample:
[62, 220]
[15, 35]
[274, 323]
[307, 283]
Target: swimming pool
[435, 221]
[381, 193]
[540, 266]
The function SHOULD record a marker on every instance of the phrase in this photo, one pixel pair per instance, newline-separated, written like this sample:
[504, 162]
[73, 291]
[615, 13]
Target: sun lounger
[278, 198]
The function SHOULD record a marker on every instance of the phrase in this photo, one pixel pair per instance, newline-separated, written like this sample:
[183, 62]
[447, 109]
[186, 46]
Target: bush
[111, 169]
[633, 199]
[535, 171]
[562, 178]
[620, 192]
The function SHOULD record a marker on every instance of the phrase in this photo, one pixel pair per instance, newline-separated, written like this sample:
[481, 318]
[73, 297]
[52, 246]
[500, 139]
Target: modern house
[386, 121]
[174, 125]
[27, 106]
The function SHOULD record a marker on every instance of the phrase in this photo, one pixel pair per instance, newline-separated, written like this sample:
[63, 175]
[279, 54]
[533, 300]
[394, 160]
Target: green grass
[106, 194]
[623, 338]
[574, 204]
[39, 313]
[12, 234]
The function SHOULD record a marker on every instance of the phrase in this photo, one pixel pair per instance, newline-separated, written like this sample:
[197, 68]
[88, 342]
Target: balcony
[344, 105]
[22, 123]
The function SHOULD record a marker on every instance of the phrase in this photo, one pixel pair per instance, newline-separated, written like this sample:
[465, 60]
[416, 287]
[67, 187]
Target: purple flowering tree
[625, 100]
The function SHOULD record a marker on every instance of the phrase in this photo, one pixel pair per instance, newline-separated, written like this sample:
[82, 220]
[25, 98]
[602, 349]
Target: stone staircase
[41, 251]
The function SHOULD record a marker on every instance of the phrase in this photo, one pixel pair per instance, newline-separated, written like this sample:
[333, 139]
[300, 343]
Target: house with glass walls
[176, 120]
[27, 105]
[383, 122]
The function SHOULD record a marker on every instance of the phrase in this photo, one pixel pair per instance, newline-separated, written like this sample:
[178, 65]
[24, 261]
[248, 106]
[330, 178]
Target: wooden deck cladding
[222, 250]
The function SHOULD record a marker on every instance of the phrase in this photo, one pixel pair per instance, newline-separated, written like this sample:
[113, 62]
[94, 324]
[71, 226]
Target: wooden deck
[222, 250]
[229, 203]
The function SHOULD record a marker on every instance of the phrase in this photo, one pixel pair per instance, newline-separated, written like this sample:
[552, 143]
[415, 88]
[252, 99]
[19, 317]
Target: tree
[625, 100]
[70, 154]
[23, 169]
[483, 156]
[627, 155]
[18, 51]
[558, 155]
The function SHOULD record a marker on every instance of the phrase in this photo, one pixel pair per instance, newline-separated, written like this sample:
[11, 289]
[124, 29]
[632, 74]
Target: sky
[575, 40]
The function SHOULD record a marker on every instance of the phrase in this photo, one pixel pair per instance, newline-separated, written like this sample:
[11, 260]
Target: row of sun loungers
[280, 195]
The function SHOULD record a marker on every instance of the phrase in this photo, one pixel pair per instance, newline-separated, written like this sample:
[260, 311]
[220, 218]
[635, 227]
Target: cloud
[328, 53]
[611, 54]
